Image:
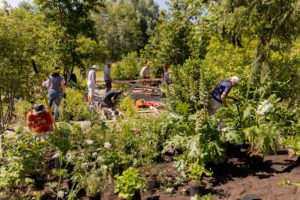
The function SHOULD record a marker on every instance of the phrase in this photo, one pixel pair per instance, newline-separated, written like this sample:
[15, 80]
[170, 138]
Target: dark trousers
[108, 85]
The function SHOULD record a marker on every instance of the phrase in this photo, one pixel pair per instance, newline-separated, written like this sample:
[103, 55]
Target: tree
[125, 25]
[26, 45]
[274, 23]
[73, 18]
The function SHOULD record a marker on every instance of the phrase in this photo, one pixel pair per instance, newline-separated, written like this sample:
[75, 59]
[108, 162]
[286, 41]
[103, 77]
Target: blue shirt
[224, 86]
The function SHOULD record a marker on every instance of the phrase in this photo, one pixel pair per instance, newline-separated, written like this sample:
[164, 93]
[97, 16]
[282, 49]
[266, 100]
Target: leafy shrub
[127, 105]
[127, 69]
[73, 107]
[264, 137]
[191, 84]
[23, 156]
[22, 107]
[60, 138]
[128, 183]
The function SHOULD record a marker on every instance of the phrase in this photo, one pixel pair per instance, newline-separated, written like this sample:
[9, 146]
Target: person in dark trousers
[220, 94]
[110, 98]
[107, 77]
[56, 85]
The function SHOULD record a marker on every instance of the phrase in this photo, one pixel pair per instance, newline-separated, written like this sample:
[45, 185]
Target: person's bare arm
[223, 99]
[62, 84]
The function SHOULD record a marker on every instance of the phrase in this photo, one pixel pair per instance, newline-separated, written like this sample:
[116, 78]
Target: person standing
[145, 71]
[107, 77]
[56, 86]
[145, 74]
[220, 94]
[166, 78]
[91, 83]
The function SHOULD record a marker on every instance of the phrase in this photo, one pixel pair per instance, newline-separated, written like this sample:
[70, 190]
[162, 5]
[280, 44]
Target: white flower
[264, 108]
[94, 155]
[105, 167]
[107, 145]
[68, 156]
[60, 194]
[89, 142]
[55, 155]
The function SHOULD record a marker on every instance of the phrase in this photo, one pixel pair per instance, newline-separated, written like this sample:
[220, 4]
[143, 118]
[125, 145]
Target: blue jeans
[56, 97]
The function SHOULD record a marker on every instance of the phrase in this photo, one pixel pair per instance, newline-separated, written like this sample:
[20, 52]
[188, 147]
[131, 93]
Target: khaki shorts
[213, 106]
[91, 89]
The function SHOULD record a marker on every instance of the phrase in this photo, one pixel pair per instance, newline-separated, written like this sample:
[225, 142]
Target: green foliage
[127, 69]
[73, 107]
[125, 26]
[191, 84]
[23, 156]
[268, 21]
[264, 137]
[127, 105]
[22, 107]
[73, 20]
[24, 45]
[196, 171]
[61, 138]
[128, 183]
[293, 142]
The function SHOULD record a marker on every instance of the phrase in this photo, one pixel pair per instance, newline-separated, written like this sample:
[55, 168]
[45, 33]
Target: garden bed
[240, 175]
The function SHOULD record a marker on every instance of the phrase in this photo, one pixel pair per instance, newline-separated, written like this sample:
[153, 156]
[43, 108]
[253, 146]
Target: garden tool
[237, 104]
[44, 96]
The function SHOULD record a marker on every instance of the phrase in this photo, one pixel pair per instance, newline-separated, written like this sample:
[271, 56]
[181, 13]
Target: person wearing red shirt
[39, 120]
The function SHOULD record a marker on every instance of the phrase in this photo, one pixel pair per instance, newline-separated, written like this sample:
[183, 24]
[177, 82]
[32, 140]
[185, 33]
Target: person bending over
[220, 94]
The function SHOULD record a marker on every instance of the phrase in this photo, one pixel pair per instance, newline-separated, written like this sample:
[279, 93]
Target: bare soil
[241, 174]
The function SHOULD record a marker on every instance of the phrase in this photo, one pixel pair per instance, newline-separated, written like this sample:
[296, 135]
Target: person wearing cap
[220, 94]
[91, 83]
[56, 86]
[107, 77]
[39, 119]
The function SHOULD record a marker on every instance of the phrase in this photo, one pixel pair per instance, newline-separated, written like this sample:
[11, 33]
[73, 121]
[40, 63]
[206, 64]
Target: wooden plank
[136, 85]
[131, 81]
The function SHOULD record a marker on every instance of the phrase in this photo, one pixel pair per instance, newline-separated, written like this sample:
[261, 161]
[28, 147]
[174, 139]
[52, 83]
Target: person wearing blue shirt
[220, 94]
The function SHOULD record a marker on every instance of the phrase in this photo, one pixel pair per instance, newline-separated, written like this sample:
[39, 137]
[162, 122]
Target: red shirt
[40, 123]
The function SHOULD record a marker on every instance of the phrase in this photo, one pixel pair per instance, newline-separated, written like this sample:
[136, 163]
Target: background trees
[126, 25]
[26, 47]
[73, 20]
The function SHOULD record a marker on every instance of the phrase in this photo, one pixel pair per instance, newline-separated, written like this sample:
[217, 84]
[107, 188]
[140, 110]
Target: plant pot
[137, 195]
[95, 197]
[153, 198]
[194, 188]
[151, 183]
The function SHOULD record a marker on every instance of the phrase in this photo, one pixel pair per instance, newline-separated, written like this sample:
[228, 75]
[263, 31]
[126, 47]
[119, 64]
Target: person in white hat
[91, 83]
[220, 94]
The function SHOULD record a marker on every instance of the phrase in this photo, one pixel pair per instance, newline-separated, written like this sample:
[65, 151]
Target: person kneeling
[39, 120]
[111, 97]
